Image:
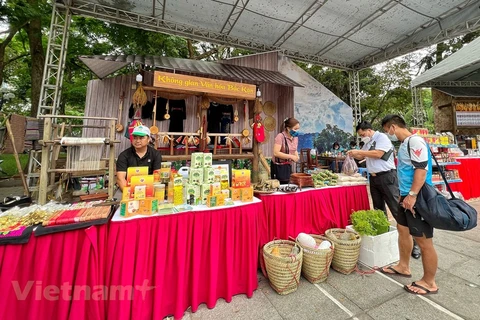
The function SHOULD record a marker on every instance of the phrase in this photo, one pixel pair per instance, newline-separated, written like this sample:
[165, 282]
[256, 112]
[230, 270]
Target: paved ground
[373, 296]
[362, 297]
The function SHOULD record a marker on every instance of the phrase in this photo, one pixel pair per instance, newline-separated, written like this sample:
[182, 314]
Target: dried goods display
[324, 179]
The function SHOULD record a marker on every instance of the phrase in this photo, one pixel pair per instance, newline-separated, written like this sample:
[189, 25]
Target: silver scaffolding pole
[355, 97]
[53, 71]
[418, 118]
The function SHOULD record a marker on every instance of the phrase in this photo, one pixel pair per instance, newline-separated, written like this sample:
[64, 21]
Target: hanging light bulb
[139, 78]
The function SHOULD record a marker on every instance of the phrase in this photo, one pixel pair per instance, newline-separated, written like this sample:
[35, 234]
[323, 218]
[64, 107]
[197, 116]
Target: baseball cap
[141, 131]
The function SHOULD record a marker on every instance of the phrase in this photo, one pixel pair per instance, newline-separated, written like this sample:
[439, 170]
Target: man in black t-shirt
[139, 155]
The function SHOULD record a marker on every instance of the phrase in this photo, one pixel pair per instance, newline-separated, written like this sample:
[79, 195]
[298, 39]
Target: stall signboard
[206, 85]
[467, 114]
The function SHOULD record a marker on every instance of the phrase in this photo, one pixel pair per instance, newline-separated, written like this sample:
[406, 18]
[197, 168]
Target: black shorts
[417, 226]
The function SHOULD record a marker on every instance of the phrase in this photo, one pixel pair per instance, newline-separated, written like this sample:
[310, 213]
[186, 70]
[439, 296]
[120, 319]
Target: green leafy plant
[370, 222]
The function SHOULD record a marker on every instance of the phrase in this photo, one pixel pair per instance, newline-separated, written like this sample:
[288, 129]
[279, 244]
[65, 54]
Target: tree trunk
[34, 32]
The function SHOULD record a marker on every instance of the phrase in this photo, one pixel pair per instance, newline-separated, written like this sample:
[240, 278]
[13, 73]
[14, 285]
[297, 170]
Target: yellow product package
[246, 194]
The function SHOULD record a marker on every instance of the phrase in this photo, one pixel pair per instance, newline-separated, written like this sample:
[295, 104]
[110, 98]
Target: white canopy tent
[345, 34]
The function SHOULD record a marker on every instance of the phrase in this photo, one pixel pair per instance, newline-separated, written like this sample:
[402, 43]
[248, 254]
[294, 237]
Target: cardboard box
[196, 160]
[136, 171]
[207, 159]
[240, 178]
[215, 188]
[129, 208]
[381, 250]
[211, 201]
[146, 181]
[235, 194]
[196, 176]
[204, 192]
[208, 175]
[148, 206]
[246, 194]
[194, 190]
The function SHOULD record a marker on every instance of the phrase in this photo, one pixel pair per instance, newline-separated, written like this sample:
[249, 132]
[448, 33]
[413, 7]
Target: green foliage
[370, 222]
[9, 165]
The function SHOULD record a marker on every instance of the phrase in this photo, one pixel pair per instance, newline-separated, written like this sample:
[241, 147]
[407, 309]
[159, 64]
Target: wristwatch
[412, 194]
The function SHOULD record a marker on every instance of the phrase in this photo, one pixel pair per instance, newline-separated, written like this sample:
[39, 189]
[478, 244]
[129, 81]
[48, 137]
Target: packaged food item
[159, 192]
[225, 192]
[126, 194]
[221, 199]
[193, 190]
[224, 183]
[240, 178]
[129, 208]
[196, 160]
[235, 194]
[178, 195]
[215, 188]
[211, 201]
[156, 175]
[208, 175]
[170, 192]
[136, 171]
[146, 181]
[196, 176]
[207, 159]
[147, 206]
[140, 192]
[205, 192]
[246, 194]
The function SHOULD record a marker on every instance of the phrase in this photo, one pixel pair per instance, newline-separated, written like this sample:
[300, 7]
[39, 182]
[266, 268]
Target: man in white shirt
[378, 152]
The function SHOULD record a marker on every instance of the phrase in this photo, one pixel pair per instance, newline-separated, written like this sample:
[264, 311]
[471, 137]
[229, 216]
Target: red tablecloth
[177, 261]
[309, 211]
[469, 171]
[54, 276]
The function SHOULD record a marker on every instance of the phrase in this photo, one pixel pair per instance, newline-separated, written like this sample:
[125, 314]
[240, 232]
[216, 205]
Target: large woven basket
[284, 270]
[346, 253]
[301, 180]
[316, 262]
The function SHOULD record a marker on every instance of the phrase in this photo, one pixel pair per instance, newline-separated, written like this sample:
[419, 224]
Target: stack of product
[241, 186]
[138, 196]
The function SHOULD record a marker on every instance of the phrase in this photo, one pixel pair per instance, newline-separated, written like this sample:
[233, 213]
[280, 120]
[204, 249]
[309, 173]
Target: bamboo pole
[43, 185]
[17, 160]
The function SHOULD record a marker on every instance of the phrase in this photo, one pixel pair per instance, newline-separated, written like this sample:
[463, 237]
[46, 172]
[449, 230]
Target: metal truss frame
[394, 49]
[232, 19]
[127, 18]
[300, 21]
[433, 84]
[418, 116]
[53, 71]
[354, 81]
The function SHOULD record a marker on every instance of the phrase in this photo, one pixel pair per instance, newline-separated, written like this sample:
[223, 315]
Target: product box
[207, 159]
[235, 194]
[136, 171]
[226, 193]
[147, 206]
[196, 176]
[204, 192]
[381, 250]
[211, 201]
[192, 189]
[140, 192]
[221, 199]
[246, 194]
[240, 178]
[215, 188]
[208, 175]
[146, 181]
[129, 208]
[197, 160]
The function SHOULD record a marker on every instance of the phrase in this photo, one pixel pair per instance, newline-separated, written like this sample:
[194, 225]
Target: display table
[469, 171]
[182, 260]
[56, 276]
[309, 211]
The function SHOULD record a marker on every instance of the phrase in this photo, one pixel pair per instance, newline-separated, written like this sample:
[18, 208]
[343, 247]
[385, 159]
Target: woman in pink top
[285, 148]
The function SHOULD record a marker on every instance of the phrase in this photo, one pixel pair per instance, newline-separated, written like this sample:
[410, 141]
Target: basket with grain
[347, 249]
[316, 262]
[301, 180]
[283, 264]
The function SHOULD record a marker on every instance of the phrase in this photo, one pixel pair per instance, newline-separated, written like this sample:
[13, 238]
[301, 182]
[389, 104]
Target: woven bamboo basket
[301, 180]
[346, 253]
[316, 262]
[283, 270]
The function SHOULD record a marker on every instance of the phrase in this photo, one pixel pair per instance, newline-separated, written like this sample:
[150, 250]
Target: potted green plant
[370, 222]
[379, 245]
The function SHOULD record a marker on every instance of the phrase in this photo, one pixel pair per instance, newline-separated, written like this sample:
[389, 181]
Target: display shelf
[455, 163]
[449, 181]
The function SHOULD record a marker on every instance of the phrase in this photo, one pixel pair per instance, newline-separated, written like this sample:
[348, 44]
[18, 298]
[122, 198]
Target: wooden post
[111, 161]
[56, 151]
[17, 160]
[43, 185]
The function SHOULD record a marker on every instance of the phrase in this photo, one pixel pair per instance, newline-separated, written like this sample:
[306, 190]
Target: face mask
[294, 133]
[365, 140]
[392, 136]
